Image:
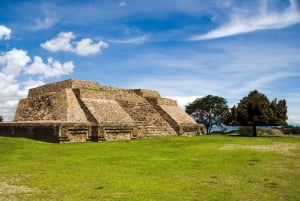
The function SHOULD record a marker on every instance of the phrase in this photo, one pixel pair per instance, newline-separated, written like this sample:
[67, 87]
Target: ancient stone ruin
[78, 111]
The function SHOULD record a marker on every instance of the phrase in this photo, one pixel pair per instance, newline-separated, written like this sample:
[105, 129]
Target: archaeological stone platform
[78, 111]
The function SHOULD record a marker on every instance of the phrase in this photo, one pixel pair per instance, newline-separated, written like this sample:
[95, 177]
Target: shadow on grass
[260, 136]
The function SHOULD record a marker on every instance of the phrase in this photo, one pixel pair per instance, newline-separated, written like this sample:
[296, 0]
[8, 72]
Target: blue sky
[183, 48]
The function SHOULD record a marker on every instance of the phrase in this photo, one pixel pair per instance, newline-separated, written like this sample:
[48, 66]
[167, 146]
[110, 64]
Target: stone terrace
[75, 110]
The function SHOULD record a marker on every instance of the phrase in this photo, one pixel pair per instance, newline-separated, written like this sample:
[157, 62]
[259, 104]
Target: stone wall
[106, 110]
[48, 131]
[162, 101]
[146, 93]
[47, 106]
[111, 131]
[75, 112]
[56, 86]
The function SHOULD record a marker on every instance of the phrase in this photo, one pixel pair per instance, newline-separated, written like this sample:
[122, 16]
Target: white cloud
[9, 95]
[65, 42]
[14, 64]
[263, 19]
[137, 40]
[53, 68]
[28, 84]
[14, 61]
[13, 91]
[8, 85]
[182, 101]
[292, 100]
[86, 47]
[61, 43]
[43, 23]
[4, 32]
[293, 120]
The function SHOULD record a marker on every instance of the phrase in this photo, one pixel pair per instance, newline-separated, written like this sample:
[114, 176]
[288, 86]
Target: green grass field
[163, 168]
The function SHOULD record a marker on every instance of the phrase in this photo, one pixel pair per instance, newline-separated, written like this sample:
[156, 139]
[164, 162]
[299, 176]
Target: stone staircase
[142, 112]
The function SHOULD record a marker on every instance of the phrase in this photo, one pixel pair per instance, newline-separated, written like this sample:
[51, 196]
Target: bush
[291, 130]
[269, 131]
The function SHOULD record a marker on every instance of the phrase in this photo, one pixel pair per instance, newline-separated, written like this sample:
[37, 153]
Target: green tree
[256, 110]
[209, 110]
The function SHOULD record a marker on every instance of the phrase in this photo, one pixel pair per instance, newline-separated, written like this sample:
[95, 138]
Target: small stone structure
[78, 111]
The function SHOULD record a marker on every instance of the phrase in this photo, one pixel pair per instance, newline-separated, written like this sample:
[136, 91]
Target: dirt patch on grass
[9, 191]
[283, 148]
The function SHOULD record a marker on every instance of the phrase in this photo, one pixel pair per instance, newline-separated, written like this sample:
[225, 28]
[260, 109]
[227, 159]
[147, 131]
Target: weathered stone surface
[106, 110]
[76, 111]
[50, 131]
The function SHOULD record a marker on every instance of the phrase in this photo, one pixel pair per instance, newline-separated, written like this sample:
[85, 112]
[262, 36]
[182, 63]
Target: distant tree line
[252, 111]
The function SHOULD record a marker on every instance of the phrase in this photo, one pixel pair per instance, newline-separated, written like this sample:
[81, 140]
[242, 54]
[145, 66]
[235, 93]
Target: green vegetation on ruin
[96, 89]
[165, 168]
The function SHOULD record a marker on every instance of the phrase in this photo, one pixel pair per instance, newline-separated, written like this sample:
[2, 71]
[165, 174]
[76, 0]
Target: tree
[209, 110]
[1, 118]
[256, 110]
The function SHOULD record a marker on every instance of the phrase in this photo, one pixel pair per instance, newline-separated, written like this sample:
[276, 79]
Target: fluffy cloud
[61, 43]
[12, 90]
[4, 32]
[53, 68]
[14, 61]
[14, 64]
[86, 47]
[9, 86]
[263, 19]
[65, 42]
[10, 94]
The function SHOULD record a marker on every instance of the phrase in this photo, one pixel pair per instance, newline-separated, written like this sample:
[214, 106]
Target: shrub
[269, 131]
[291, 130]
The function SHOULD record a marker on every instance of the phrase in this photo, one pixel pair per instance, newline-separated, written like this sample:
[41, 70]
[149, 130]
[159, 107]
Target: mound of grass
[165, 168]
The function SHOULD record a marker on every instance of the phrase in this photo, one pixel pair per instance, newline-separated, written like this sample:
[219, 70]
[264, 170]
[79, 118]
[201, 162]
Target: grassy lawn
[164, 168]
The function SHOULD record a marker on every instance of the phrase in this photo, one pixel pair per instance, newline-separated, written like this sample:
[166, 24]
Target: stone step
[63, 139]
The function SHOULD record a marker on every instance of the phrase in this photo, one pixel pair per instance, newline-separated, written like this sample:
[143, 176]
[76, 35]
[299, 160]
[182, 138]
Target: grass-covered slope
[164, 168]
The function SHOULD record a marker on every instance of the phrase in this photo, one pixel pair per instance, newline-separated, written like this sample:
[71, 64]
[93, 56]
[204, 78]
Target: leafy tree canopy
[209, 110]
[256, 110]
